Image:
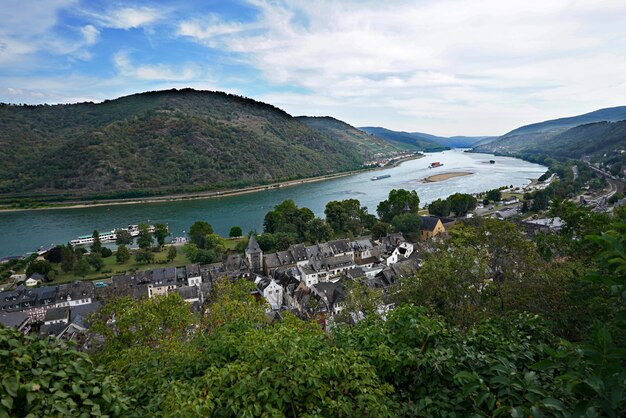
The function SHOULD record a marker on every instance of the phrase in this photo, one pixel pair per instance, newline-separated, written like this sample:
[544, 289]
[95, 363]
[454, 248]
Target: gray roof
[188, 292]
[192, 270]
[340, 246]
[299, 252]
[253, 245]
[13, 319]
[55, 314]
[429, 223]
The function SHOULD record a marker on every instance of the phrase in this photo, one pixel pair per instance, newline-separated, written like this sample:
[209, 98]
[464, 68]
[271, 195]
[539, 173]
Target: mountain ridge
[160, 142]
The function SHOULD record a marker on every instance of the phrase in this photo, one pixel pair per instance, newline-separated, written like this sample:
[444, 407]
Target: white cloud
[450, 67]
[126, 68]
[127, 17]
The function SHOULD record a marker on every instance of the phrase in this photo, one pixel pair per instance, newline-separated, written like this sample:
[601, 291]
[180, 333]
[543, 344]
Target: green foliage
[95, 261]
[82, 267]
[160, 233]
[199, 255]
[318, 230]
[462, 203]
[68, 258]
[171, 253]
[122, 254]
[96, 246]
[41, 377]
[143, 255]
[235, 232]
[395, 204]
[409, 224]
[122, 236]
[348, 217]
[198, 231]
[54, 255]
[42, 267]
[494, 195]
[287, 218]
[380, 229]
[106, 252]
[439, 207]
[144, 239]
[188, 140]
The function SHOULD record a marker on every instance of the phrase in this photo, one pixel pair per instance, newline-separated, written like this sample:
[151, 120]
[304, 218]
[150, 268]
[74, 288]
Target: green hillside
[405, 140]
[368, 144]
[159, 142]
[538, 135]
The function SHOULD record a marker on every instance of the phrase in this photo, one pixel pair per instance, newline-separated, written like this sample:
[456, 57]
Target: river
[25, 231]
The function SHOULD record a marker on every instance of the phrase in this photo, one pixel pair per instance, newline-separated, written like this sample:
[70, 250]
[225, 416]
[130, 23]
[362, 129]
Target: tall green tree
[144, 256]
[122, 236]
[439, 207]
[235, 232]
[348, 216]
[462, 203]
[161, 232]
[318, 230]
[68, 258]
[96, 247]
[409, 224]
[198, 231]
[396, 203]
[494, 195]
[122, 255]
[144, 239]
[171, 253]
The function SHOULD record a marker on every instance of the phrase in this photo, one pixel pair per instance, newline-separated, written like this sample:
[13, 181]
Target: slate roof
[192, 270]
[13, 319]
[340, 246]
[56, 314]
[429, 223]
[253, 245]
[299, 252]
[188, 292]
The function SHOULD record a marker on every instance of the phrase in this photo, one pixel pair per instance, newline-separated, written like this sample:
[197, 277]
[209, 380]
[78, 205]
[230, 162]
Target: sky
[445, 67]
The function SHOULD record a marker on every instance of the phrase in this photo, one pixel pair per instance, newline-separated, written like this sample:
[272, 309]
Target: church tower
[254, 255]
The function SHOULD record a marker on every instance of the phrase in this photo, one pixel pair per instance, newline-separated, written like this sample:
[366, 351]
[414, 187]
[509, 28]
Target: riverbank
[204, 195]
[445, 176]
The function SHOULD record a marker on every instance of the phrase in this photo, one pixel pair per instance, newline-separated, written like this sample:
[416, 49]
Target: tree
[235, 232]
[318, 230]
[462, 203]
[171, 253]
[160, 233]
[106, 252]
[289, 219]
[199, 255]
[44, 378]
[494, 195]
[95, 260]
[144, 255]
[68, 258]
[347, 217]
[380, 229]
[398, 202]
[198, 231]
[38, 266]
[439, 207]
[122, 236]
[144, 239]
[122, 255]
[97, 245]
[54, 255]
[409, 224]
[82, 267]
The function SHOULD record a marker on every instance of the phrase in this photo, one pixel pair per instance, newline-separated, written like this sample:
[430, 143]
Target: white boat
[109, 235]
[384, 176]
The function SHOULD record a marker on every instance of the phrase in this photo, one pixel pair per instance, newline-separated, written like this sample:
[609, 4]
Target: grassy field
[112, 268]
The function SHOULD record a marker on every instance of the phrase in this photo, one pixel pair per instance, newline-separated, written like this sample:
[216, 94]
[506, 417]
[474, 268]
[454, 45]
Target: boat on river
[435, 164]
[133, 230]
[384, 176]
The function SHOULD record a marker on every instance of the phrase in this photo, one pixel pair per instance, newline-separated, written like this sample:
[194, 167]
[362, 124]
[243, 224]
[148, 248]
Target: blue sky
[447, 67]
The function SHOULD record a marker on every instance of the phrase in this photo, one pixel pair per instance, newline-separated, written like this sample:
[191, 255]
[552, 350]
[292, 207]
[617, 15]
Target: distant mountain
[163, 142]
[367, 144]
[538, 135]
[427, 141]
[456, 141]
[405, 140]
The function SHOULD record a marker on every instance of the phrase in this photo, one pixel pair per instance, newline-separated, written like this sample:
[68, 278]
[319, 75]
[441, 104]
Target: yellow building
[430, 227]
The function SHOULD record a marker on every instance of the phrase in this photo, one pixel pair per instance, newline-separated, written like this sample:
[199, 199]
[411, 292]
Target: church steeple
[254, 255]
[407, 208]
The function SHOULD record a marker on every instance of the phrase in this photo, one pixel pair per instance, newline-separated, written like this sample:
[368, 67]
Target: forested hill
[368, 144]
[590, 139]
[541, 134]
[160, 142]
